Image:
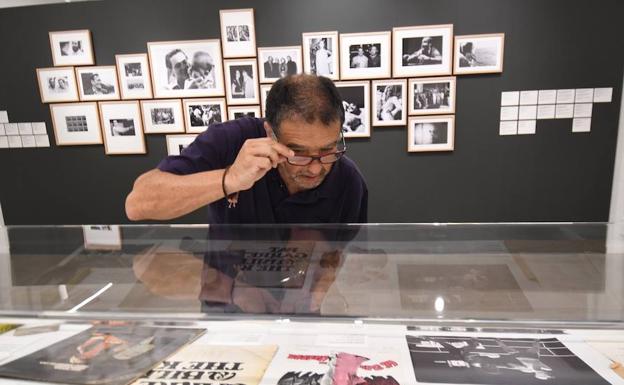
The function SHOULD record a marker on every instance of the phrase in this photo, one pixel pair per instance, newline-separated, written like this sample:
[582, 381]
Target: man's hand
[254, 160]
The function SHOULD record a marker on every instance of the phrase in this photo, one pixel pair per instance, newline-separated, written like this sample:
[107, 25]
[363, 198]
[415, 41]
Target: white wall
[615, 236]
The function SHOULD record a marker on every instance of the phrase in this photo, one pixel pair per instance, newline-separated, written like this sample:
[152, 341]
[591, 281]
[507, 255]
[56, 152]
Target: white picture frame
[431, 133]
[162, 116]
[238, 33]
[329, 56]
[389, 102]
[365, 55]
[355, 96]
[241, 77]
[236, 112]
[420, 51]
[133, 72]
[76, 124]
[264, 94]
[432, 96]
[57, 85]
[71, 48]
[122, 127]
[199, 114]
[479, 54]
[176, 143]
[272, 71]
[102, 237]
[97, 83]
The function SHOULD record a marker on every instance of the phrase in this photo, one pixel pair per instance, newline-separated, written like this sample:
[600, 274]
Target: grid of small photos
[182, 87]
[22, 135]
[520, 110]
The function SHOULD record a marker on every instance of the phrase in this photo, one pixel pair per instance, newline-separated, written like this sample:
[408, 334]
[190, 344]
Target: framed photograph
[134, 76]
[390, 102]
[76, 124]
[102, 237]
[365, 55]
[479, 54]
[320, 54]
[177, 143]
[238, 33]
[201, 113]
[430, 96]
[431, 133]
[97, 83]
[264, 94]
[242, 81]
[71, 48]
[57, 84]
[356, 102]
[162, 116]
[235, 112]
[186, 69]
[122, 127]
[422, 51]
[279, 62]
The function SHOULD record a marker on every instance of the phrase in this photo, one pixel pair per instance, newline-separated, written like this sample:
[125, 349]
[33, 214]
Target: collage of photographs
[404, 77]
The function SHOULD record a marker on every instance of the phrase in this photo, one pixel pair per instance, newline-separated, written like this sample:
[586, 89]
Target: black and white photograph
[122, 127]
[242, 81]
[429, 96]
[102, 237]
[177, 143]
[238, 32]
[356, 102]
[320, 54]
[57, 84]
[422, 50]
[199, 114]
[134, 78]
[497, 361]
[190, 68]
[431, 133]
[71, 48]
[264, 94]
[97, 83]
[237, 112]
[162, 116]
[279, 62]
[76, 124]
[479, 54]
[365, 55]
[389, 102]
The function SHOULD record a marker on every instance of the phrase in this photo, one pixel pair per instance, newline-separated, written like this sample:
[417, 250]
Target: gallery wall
[554, 175]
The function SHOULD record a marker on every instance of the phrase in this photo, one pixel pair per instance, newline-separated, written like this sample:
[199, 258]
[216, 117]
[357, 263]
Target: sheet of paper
[510, 98]
[39, 128]
[42, 140]
[526, 127]
[349, 340]
[28, 141]
[4, 142]
[2, 131]
[546, 111]
[4, 117]
[509, 113]
[509, 127]
[584, 95]
[581, 125]
[564, 111]
[603, 95]
[528, 97]
[15, 141]
[11, 129]
[565, 96]
[527, 112]
[583, 110]
[25, 128]
[547, 97]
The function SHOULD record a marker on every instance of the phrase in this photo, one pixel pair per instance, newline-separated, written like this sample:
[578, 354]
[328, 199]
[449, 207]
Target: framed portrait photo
[57, 84]
[422, 50]
[241, 77]
[365, 55]
[279, 62]
[236, 112]
[264, 94]
[122, 127]
[97, 83]
[102, 237]
[162, 116]
[431, 133]
[71, 48]
[479, 54]
[134, 76]
[186, 69]
[199, 114]
[428, 96]
[76, 124]
[238, 32]
[320, 54]
[356, 102]
[177, 143]
[389, 102]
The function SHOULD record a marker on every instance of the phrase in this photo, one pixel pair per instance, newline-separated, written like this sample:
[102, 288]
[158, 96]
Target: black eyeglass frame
[310, 159]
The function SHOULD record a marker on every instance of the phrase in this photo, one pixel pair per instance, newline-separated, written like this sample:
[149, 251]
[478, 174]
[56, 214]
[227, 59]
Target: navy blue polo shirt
[341, 198]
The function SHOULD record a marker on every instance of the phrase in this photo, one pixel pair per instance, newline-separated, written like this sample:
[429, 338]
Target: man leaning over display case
[289, 168]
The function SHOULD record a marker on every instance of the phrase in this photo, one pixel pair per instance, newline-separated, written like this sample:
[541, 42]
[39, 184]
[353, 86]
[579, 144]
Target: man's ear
[268, 129]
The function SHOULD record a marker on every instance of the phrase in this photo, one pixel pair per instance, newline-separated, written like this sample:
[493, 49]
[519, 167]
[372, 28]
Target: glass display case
[395, 288]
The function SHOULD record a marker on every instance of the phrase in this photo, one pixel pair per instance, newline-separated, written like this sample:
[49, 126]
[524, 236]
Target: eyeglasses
[302, 160]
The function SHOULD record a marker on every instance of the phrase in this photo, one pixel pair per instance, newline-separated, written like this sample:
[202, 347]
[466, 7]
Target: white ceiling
[25, 3]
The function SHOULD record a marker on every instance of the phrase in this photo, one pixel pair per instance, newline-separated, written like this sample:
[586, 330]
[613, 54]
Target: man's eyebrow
[295, 146]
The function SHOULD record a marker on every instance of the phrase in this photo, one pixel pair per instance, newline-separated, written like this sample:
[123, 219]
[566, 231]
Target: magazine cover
[489, 360]
[103, 354]
[8, 327]
[215, 365]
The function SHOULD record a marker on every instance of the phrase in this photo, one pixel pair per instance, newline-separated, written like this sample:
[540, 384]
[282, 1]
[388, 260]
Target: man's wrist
[229, 184]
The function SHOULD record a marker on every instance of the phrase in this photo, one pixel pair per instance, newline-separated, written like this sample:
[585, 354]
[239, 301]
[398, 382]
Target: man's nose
[315, 167]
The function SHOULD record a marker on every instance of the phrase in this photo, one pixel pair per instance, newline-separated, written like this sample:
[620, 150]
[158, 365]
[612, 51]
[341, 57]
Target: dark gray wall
[551, 176]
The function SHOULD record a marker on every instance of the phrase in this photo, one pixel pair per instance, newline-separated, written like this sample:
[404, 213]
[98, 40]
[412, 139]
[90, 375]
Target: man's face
[96, 80]
[307, 139]
[360, 51]
[426, 44]
[373, 51]
[180, 65]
